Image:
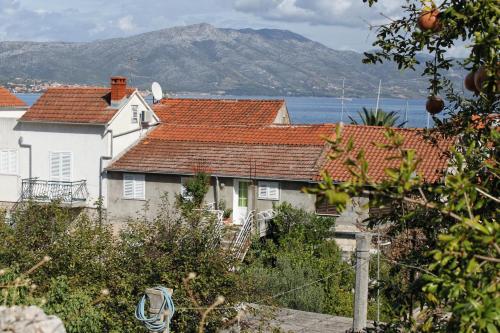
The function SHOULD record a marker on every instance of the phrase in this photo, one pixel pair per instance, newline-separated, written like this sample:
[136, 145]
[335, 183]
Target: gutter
[105, 158]
[25, 145]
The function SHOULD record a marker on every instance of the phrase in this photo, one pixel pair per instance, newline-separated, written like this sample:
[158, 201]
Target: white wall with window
[134, 186]
[268, 190]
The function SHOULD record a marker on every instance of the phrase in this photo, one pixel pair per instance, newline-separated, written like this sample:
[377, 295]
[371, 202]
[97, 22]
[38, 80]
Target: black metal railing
[48, 190]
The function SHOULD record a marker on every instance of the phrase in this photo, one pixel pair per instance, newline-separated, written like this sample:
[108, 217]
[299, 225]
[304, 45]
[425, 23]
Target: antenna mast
[378, 97]
[342, 101]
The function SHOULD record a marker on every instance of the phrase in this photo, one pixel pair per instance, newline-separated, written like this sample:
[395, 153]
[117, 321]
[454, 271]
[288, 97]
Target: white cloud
[126, 23]
[350, 13]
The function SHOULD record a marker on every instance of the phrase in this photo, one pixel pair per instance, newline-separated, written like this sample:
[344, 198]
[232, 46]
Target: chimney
[118, 88]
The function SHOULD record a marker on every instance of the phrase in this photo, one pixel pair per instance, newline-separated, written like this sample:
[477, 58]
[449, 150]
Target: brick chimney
[118, 88]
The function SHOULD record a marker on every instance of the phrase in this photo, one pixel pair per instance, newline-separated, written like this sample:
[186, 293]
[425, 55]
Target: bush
[87, 258]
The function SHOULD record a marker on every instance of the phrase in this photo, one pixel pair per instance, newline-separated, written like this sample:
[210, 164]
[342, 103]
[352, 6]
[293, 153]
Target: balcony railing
[49, 190]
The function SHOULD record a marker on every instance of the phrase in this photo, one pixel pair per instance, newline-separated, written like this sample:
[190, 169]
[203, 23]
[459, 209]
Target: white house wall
[85, 142]
[10, 185]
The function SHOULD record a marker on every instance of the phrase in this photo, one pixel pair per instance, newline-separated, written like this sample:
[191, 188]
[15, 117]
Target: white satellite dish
[157, 92]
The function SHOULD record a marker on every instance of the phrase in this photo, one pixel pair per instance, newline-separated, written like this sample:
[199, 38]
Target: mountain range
[204, 59]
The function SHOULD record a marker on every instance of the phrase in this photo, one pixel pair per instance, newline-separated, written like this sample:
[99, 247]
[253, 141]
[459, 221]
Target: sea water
[315, 110]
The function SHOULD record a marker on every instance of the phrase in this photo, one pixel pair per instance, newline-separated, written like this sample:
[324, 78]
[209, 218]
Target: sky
[339, 24]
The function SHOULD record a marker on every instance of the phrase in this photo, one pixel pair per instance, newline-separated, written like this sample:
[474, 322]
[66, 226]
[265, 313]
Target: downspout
[25, 145]
[216, 193]
[101, 167]
[30, 165]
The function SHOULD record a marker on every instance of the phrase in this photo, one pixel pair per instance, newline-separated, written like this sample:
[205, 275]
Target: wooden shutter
[323, 207]
[134, 186]
[54, 168]
[66, 166]
[13, 161]
[139, 187]
[60, 166]
[128, 186]
[8, 161]
[269, 191]
[262, 191]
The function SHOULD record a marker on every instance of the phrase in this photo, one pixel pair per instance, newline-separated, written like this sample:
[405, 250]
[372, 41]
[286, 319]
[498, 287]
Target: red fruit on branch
[429, 20]
[434, 105]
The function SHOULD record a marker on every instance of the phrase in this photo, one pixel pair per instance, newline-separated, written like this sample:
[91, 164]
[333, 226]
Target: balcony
[68, 193]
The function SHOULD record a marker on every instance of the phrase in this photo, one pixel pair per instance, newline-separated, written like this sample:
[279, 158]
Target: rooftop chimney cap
[118, 88]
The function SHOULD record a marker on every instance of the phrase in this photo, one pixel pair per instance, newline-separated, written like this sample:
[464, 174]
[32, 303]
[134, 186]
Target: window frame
[135, 178]
[268, 185]
[8, 171]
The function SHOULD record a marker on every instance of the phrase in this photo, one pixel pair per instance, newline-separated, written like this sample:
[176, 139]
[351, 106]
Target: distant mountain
[204, 59]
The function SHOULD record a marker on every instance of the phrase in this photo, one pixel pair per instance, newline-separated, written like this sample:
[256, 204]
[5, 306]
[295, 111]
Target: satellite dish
[157, 92]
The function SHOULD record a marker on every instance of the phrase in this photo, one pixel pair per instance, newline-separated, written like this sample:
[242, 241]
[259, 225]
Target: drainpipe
[25, 145]
[30, 167]
[101, 167]
[216, 193]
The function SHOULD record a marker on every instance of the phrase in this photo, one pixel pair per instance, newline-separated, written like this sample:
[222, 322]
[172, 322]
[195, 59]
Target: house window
[135, 114]
[60, 165]
[134, 186]
[269, 191]
[323, 207]
[8, 161]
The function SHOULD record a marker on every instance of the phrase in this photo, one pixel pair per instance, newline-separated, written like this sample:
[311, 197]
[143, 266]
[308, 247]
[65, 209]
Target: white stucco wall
[10, 184]
[87, 143]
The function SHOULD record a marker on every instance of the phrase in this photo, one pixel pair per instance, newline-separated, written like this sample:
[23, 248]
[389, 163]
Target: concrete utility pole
[363, 241]
[156, 300]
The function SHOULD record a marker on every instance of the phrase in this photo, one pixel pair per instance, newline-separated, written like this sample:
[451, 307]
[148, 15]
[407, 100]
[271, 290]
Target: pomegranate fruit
[434, 105]
[429, 20]
[469, 83]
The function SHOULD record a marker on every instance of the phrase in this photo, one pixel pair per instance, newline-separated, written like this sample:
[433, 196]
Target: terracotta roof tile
[218, 111]
[433, 161]
[270, 135]
[8, 99]
[73, 105]
[281, 152]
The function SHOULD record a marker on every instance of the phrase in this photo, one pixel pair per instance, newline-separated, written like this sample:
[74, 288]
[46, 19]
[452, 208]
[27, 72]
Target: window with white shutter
[8, 161]
[60, 165]
[269, 191]
[134, 186]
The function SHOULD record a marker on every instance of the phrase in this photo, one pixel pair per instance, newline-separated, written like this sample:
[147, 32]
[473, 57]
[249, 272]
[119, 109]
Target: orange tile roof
[88, 105]
[433, 161]
[8, 99]
[269, 135]
[218, 111]
[295, 152]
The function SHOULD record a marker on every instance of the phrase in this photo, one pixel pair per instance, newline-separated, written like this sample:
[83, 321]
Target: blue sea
[314, 110]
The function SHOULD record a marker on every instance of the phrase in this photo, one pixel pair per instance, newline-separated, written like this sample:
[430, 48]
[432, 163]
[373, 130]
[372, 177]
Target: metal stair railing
[218, 228]
[240, 243]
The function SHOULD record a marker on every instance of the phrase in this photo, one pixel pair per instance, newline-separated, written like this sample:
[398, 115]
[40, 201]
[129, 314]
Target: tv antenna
[157, 92]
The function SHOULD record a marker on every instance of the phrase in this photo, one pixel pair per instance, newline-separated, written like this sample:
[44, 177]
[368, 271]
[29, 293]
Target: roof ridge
[223, 99]
[410, 129]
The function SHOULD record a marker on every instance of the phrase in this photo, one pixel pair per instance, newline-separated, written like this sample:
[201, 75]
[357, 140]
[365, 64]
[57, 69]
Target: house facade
[252, 167]
[11, 156]
[69, 136]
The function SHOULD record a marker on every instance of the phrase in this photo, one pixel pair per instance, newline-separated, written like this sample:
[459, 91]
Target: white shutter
[139, 187]
[65, 166]
[128, 186]
[269, 191]
[134, 186]
[262, 191]
[60, 166]
[13, 162]
[54, 163]
[4, 157]
[273, 192]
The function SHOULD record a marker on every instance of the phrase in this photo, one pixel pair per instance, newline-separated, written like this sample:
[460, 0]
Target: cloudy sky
[340, 24]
